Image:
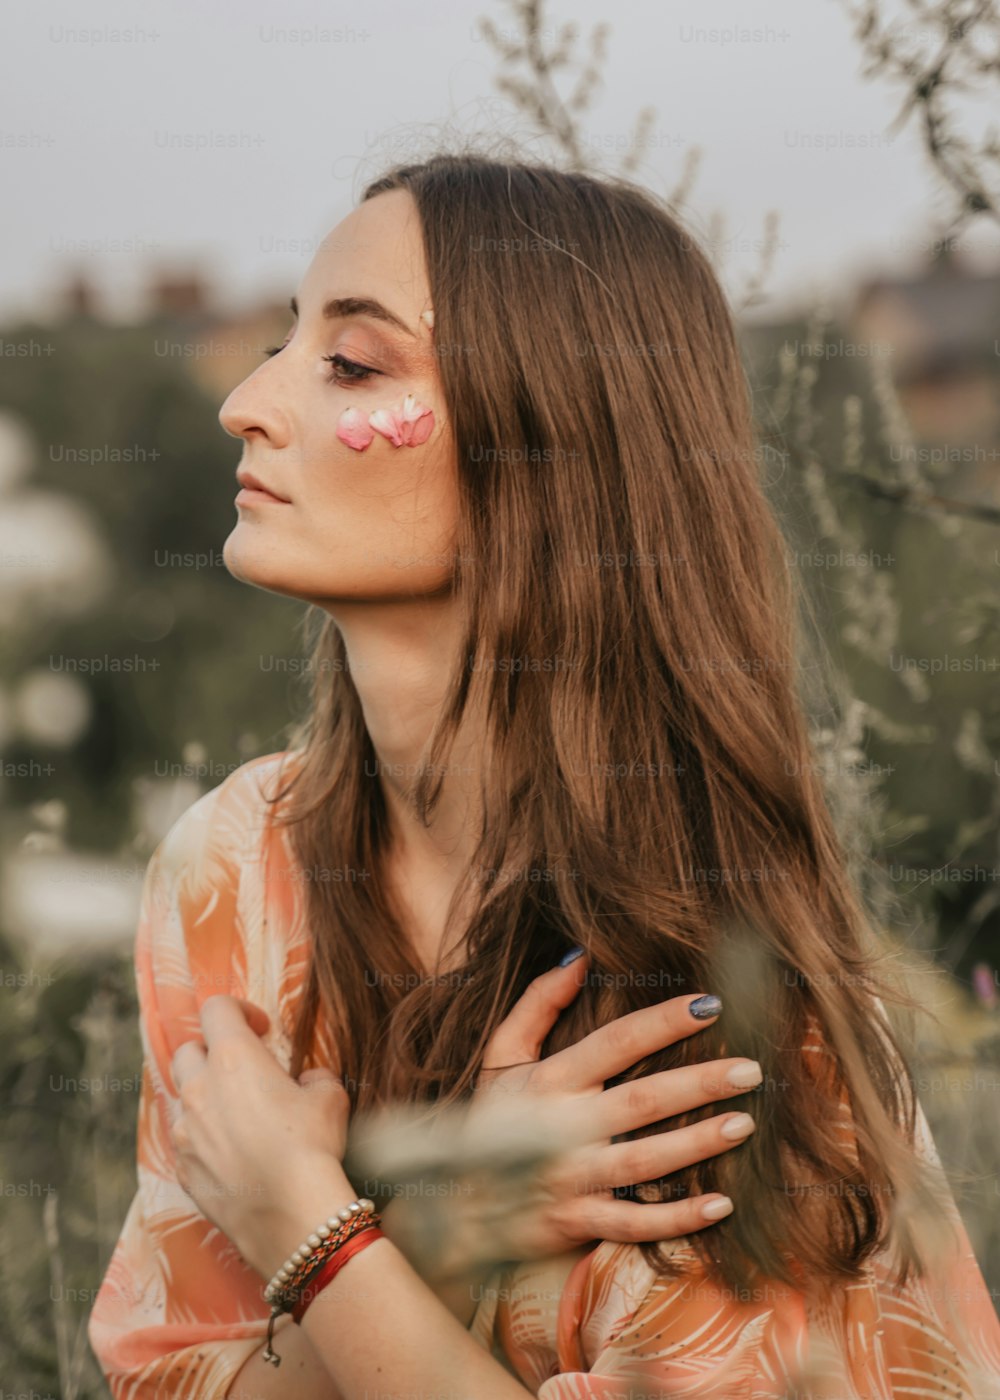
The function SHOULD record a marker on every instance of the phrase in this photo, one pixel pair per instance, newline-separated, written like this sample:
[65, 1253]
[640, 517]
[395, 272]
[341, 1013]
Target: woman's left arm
[261, 1154]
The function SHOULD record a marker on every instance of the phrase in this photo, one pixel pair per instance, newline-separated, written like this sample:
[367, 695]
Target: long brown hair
[650, 791]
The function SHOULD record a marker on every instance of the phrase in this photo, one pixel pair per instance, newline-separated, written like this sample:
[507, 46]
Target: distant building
[184, 295]
[943, 327]
[80, 297]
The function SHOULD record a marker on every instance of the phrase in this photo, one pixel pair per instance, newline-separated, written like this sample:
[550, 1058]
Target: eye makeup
[344, 370]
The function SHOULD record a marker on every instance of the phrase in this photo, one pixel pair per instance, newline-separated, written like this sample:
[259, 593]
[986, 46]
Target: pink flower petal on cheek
[406, 424]
[387, 421]
[354, 429]
[418, 420]
[422, 428]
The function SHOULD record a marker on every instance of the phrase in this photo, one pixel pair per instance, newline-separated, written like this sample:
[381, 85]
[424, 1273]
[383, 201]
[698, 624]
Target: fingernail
[715, 1210]
[739, 1127]
[572, 956]
[745, 1076]
[704, 1007]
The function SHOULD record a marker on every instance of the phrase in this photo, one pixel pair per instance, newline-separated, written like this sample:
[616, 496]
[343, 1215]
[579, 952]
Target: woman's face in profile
[371, 524]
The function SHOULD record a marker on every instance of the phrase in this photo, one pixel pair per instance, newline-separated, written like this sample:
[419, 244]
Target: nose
[253, 410]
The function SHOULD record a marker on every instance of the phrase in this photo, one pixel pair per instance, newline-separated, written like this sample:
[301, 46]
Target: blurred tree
[131, 436]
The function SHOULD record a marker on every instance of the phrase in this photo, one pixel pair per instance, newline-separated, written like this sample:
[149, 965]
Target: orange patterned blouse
[178, 1311]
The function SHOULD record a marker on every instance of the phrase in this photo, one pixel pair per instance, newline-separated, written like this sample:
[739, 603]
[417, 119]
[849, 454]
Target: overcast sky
[213, 135]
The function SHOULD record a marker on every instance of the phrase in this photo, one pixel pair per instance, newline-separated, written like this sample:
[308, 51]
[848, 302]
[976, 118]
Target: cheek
[401, 479]
[379, 474]
[411, 500]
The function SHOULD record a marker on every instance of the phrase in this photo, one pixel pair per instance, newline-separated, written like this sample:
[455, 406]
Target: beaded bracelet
[317, 1246]
[329, 1270]
[285, 1299]
[284, 1288]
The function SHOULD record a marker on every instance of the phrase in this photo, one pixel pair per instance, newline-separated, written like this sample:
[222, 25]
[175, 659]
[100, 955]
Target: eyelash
[350, 372]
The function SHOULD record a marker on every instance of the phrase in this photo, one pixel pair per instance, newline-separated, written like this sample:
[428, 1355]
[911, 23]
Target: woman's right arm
[178, 1311]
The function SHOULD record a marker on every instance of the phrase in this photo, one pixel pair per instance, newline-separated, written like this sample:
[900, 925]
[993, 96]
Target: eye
[344, 371]
[347, 371]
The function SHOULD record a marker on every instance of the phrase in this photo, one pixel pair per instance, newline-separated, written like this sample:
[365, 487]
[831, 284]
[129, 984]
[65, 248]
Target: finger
[648, 1158]
[623, 1042]
[188, 1060]
[222, 1017]
[520, 1035]
[642, 1101]
[628, 1222]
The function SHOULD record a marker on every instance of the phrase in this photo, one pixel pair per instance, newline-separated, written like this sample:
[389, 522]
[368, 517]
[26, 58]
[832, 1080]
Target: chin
[251, 561]
[262, 563]
[248, 560]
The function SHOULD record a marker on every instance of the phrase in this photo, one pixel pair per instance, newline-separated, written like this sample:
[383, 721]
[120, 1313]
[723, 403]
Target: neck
[401, 657]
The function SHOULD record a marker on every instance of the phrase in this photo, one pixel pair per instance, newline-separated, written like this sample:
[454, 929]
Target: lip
[254, 490]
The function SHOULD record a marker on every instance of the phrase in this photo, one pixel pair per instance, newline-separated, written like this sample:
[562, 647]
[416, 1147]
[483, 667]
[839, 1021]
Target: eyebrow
[358, 306]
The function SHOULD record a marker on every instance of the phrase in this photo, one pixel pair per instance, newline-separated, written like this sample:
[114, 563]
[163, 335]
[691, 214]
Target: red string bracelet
[333, 1265]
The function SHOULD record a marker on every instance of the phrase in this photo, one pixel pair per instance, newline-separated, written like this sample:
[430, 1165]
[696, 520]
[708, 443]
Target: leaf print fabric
[179, 1312]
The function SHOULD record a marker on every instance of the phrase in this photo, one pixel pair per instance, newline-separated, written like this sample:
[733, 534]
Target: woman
[506, 453]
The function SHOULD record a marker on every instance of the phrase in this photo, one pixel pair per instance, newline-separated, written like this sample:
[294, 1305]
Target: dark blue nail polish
[572, 956]
[704, 1007]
